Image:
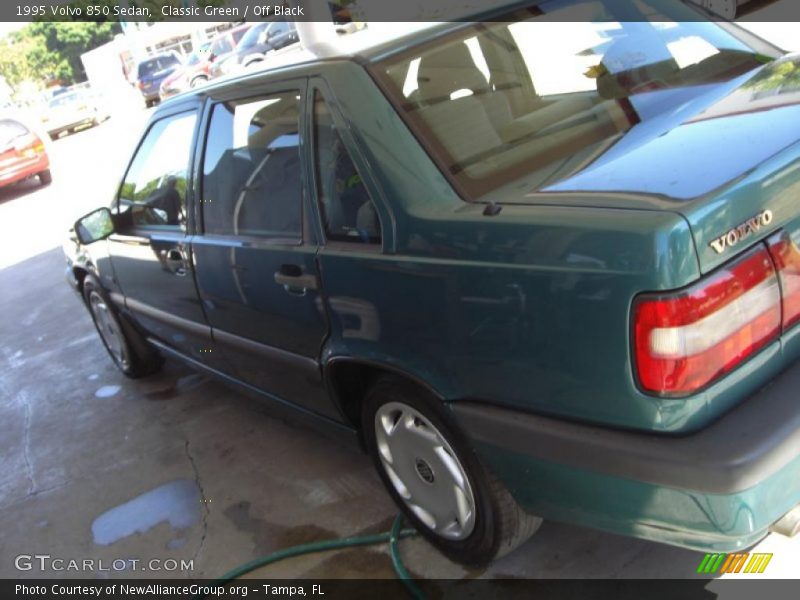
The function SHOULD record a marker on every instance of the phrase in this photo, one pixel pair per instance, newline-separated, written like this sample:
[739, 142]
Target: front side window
[545, 96]
[154, 189]
[251, 168]
[348, 212]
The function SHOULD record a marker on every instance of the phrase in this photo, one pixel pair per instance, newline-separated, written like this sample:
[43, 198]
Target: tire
[46, 177]
[197, 82]
[470, 517]
[129, 350]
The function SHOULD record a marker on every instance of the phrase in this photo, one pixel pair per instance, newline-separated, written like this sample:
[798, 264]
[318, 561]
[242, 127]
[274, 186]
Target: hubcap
[109, 330]
[424, 470]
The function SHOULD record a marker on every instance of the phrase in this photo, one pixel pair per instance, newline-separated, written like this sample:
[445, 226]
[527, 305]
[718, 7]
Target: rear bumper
[720, 488]
[56, 128]
[24, 170]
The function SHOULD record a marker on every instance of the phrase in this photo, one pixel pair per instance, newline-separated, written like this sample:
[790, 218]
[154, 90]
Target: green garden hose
[393, 537]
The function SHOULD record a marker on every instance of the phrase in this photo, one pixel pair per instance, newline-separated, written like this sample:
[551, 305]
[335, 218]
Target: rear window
[154, 65]
[10, 130]
[542, 98]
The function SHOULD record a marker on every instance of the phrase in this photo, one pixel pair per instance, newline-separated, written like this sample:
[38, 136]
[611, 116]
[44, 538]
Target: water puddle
[177, 502]
[107, 391]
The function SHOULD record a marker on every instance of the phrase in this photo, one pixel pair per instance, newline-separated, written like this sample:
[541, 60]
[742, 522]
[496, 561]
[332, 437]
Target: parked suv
[538, 268]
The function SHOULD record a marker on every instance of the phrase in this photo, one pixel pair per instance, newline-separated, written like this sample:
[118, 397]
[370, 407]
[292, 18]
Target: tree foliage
[51, 50]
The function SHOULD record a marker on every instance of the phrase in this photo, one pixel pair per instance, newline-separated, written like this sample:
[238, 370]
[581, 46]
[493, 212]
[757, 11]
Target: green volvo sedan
[538, 268]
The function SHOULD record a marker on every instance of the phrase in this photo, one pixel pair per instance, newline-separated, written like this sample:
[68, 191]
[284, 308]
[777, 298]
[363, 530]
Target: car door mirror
[95, 226]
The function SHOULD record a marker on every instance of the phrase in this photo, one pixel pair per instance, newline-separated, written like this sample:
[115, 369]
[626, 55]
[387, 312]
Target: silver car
[69, 112]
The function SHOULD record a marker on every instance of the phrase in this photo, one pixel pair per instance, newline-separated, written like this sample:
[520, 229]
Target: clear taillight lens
[685, 340]
[786, 255]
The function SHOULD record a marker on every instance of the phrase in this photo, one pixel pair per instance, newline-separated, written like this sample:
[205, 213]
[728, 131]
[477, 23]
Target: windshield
[65, 99]
[543, 97]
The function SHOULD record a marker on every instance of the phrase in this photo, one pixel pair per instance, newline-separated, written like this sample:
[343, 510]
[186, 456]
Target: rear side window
[221, 46]
[251, 168]
[154, 189]
[348, 212]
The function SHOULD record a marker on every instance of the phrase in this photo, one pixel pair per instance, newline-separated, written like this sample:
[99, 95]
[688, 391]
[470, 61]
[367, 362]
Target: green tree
[67, 40]
[24, 57]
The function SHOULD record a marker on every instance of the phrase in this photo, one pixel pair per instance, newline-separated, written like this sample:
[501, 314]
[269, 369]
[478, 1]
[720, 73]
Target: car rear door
[256, 259]
[150, 250]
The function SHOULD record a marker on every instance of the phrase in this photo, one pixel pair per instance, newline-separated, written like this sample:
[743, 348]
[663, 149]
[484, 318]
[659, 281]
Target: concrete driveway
[179, 468]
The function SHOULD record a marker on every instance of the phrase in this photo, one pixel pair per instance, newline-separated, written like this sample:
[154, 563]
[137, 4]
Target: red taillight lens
[684, 341]
[787, 258]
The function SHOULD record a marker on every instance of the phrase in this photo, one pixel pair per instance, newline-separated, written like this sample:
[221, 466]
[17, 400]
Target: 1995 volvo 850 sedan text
[536, 267]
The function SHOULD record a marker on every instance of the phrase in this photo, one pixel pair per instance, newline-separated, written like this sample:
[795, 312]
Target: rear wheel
[198, 81]
[436, 479]
[46, 177]
[132, 354]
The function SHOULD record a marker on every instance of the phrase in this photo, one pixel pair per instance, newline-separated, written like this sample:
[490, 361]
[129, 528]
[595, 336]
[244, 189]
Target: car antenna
[492, 209]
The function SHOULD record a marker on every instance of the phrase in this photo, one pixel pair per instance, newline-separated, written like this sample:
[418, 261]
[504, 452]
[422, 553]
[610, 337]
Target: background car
[69, 111]
[154, 70]
[195, 70]
[256, 43]
[22, 153]
[723, 8]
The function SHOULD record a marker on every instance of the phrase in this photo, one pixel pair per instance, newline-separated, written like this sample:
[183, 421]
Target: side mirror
[95, 226]
[212, 57]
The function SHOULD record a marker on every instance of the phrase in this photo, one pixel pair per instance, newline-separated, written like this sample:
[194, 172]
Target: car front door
[255, 260]
[149, 251]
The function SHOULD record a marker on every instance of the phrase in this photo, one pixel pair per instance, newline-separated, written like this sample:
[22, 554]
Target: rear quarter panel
[528, 309]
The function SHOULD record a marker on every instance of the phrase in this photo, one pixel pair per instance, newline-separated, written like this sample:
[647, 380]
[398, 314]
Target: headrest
[448, 70]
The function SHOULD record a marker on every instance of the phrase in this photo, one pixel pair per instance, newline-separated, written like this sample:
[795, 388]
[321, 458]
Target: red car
[22, 153]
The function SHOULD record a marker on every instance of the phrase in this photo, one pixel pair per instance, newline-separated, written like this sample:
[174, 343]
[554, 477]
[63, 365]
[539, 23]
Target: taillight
[786, 255]
[686, 340]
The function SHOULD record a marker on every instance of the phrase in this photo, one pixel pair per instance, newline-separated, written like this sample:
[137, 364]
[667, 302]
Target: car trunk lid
[726, 158]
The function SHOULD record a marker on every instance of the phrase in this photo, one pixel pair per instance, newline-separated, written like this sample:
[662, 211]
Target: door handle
[174, 261]
[294, 281]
